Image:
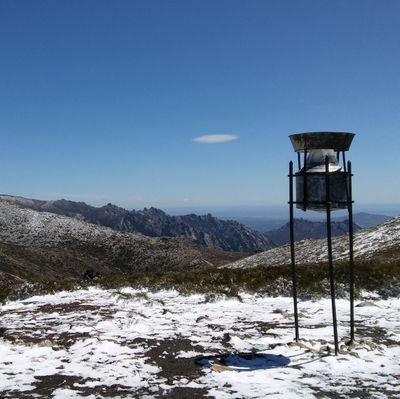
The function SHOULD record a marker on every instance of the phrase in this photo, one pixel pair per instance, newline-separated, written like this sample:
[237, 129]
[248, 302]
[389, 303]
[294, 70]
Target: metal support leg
[351, 256]
[294, 282]
[330, 257]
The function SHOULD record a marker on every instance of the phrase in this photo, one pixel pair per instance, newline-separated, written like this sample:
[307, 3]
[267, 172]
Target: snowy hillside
[367, 243]
[28, 227]
[40, 245]
[99, 344]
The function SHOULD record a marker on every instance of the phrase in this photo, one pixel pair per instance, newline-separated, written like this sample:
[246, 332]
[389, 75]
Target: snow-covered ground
[136, 344]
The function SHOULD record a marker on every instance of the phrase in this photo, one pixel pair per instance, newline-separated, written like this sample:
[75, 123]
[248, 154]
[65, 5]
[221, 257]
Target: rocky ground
[129, 343]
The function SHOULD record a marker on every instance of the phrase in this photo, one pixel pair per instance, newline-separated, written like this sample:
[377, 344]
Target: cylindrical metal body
[310, 180]
[314, 198]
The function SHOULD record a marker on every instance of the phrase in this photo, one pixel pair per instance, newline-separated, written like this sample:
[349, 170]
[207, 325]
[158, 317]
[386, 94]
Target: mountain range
[265, 223]
[40, 245]
[205, 230]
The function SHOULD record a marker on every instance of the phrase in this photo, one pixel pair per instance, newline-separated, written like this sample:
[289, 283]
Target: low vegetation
[312, 281]
[380, 275]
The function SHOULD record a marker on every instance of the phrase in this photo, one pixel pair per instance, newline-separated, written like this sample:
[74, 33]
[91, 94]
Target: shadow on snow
[244, 361]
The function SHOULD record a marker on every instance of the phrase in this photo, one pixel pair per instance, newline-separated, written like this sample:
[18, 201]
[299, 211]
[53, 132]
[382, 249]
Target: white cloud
[215, 138]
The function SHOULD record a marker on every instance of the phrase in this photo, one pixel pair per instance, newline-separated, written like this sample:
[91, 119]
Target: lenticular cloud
[215, 138]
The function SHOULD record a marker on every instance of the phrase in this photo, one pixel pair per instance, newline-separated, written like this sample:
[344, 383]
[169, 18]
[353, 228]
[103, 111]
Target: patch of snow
[118, 340]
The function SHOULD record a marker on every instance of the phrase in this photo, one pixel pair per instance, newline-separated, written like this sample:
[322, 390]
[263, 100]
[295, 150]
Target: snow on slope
[127, 344]
[27, 227]
[366, 244]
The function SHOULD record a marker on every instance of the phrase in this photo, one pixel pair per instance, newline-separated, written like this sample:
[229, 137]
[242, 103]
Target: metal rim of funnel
[337, 141]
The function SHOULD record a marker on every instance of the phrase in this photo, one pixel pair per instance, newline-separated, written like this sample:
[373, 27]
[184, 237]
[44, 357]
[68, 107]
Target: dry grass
[381, 275]
[383, 278]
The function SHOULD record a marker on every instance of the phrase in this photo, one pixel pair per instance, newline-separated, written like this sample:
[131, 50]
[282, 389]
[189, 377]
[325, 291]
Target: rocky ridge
[206, 230]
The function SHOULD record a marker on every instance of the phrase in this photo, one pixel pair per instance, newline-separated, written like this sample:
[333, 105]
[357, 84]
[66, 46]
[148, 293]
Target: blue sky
[102, 101]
